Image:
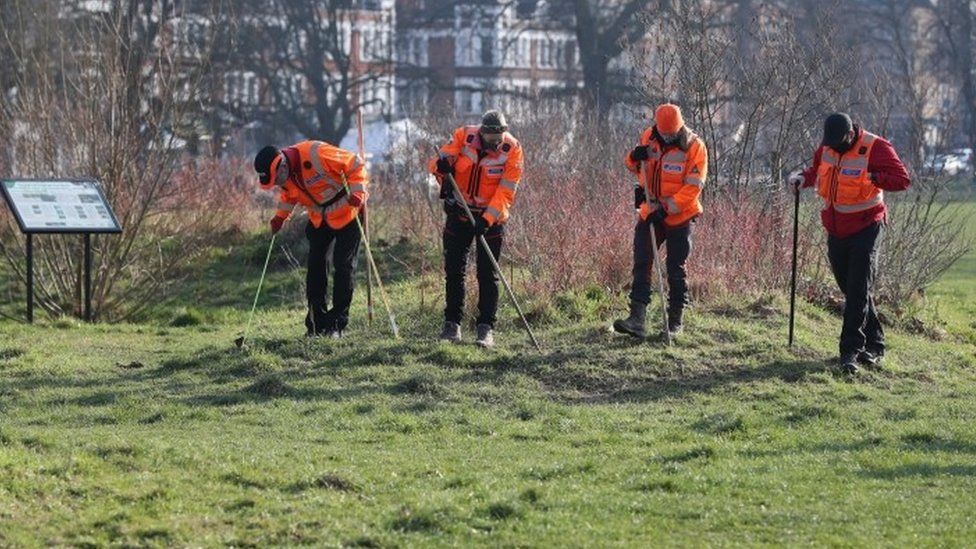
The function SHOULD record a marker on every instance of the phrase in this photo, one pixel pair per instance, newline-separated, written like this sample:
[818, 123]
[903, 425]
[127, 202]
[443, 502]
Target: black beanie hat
[262, 163]
[836, 127]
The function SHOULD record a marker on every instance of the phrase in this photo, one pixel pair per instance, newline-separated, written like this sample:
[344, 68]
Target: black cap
[836, 128]
[493, 122]
[262, 163]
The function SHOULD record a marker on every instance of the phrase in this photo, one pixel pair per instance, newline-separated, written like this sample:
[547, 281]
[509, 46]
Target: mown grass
[952, 299]
[166, 434]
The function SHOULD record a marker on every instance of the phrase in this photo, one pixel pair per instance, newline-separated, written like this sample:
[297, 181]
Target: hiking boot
[870, 358]
[633, 324]
[848, 363]
[485, 336]
[316, 324]
[451, 332]
[675, 325]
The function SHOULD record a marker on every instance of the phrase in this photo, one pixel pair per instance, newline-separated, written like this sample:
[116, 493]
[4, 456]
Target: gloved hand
[639, 153]
[444, 166]
[276, 223]
[481, 226]
[796, 179]
[355, 200]
[639, 196]
[658, 214]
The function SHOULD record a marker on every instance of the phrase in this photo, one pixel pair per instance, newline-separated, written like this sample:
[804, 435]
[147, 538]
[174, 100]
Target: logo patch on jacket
[506, 147]
[673, 167]
[862, 150]
[850, 171]
[496, 171]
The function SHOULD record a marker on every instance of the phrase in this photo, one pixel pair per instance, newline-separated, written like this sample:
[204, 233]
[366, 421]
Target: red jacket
[887, 173]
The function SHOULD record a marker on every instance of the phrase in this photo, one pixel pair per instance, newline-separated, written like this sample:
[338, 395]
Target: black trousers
[853, 261]
[678, 243]
[344, 247]
[458, 238]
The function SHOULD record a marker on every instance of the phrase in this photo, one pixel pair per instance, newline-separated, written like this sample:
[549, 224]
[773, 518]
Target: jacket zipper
[474, 179]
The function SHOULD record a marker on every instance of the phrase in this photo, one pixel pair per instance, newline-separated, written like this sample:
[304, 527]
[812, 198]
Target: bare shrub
[106, 93]
[572, 224]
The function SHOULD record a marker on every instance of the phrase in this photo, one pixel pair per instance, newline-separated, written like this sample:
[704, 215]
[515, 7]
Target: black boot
[633, 324]
[870, 357]
[316, 322]
[675, 326]
[848, 363]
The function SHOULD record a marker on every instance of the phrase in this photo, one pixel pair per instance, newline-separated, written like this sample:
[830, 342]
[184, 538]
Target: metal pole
[30, 278]
[494, 262]
[365, 217]
[372, 264]
[654, 256]
[264, 271]
[88, 280]
[660, 282]
[796, 226]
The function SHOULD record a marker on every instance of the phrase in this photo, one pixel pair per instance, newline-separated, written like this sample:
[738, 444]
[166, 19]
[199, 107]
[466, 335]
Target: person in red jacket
[331, 184]
[851, 170]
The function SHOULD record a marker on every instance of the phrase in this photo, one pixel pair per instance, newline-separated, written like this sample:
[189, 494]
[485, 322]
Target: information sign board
[60, 206]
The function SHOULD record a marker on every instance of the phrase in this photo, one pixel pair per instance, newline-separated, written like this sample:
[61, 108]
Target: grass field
[165, 434]
[953, 298]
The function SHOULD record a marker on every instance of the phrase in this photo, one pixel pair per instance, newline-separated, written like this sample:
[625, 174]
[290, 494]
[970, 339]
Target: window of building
[241, 87]
[419, 51]
[487, 53]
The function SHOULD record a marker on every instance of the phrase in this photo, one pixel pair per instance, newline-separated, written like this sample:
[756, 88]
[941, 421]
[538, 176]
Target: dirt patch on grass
[270, 386]
[10, 354]
[705, 453]
[428, 521]
[421, 384]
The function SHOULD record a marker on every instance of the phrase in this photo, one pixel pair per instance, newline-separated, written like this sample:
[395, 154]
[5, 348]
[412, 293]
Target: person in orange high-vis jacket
[852, 168]
[670, 163]
[331, 184]
[486, 162]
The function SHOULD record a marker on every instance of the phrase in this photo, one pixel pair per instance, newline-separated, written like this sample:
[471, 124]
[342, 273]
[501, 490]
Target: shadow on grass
[921, 470]
[349, 370]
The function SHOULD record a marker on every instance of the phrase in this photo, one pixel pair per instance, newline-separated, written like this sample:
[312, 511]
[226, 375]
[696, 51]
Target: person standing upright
[670, 163]
[851, 170]
[486, 162]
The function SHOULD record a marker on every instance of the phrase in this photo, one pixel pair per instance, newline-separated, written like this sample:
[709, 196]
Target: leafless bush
[573, 219]
[106, 93]
[757, 94]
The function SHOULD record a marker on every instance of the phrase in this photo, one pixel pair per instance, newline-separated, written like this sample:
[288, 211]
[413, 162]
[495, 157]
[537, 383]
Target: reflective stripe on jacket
[843, 180]
[672, 174]
[319, 181]
[488, 179]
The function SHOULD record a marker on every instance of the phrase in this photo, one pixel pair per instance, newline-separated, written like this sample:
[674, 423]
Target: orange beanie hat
[668, 119]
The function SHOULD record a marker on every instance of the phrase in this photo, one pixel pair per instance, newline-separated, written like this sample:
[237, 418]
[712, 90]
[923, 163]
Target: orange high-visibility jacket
[325, 170]
[488, 179]
[843, 180]
[672, 176]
